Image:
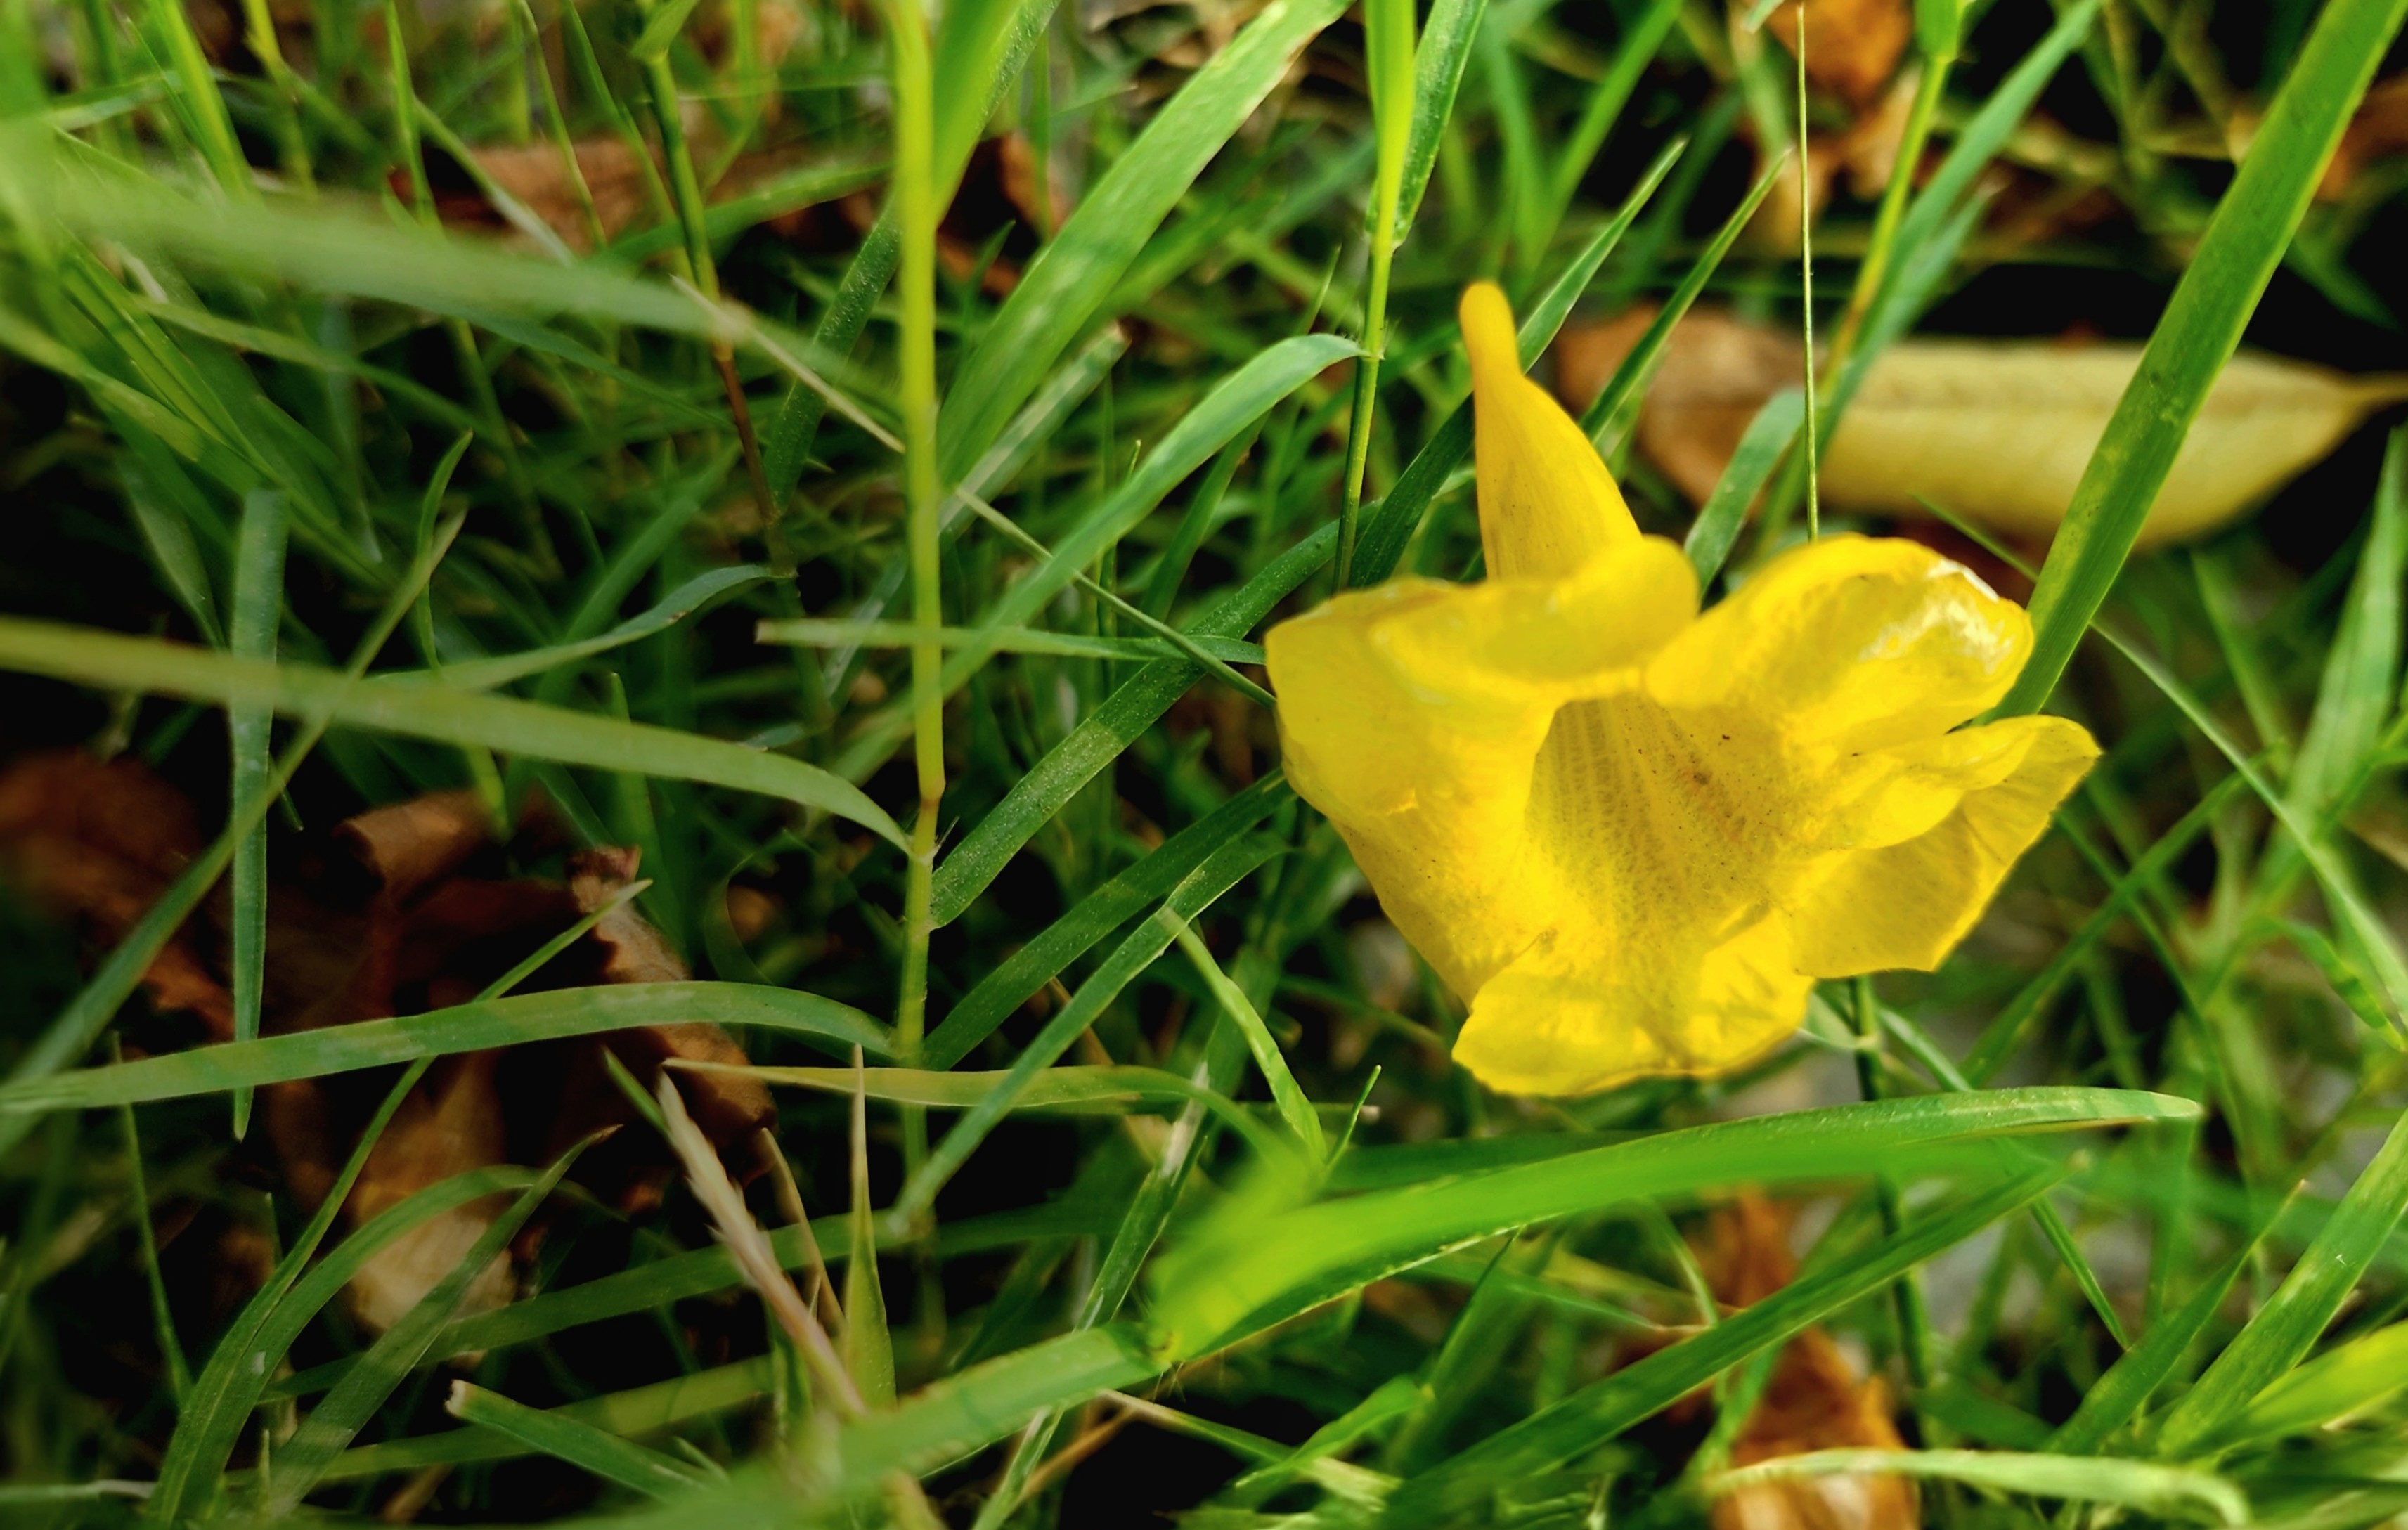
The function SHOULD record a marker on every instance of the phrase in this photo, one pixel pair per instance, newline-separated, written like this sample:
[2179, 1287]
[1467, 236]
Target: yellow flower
[1633, 836]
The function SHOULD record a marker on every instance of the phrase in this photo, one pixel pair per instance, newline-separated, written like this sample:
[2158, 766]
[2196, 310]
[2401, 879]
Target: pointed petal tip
[1487, 321]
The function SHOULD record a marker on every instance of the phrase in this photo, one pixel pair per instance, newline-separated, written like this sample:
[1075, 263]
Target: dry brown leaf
[96, 842]
[1998, 431]
[1814, 1400]
[2378, 131]
[389, 915]
[1852, 45]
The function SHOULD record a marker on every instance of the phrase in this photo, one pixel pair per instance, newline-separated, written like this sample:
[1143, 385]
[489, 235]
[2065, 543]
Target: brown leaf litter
[1815, 1399]
[401, 910]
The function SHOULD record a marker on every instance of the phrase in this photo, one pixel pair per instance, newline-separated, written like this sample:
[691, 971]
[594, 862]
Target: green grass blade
[2202, 324]
[258, 605]
[1451, 1494]
[2349, 1380]
[1388, 527]
[1287, 1094]
[1007, 986]
[1643, 37]
[2361, 672]
[1231, 406]
[2125, 1485]
[468, 1027]
[2118, 1396]
[582, 1445]
[1295, 1259]
[1724, 511]
[1438, 61]
[1059, 293]
[503, 724]
[1073, 1088]
[1196, 891]
[345, 1410]
[1640, 364]
[692, 598]
[2280, 1333]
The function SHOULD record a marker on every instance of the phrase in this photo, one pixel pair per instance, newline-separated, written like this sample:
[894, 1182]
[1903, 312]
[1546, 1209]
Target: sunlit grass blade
[502, 724]
[468, 1027]
[1286, 1263]
[1438, 61]
[1446, 1495]
[2280, 1333]
[2125, 1485]
[2202, 323]
[582, 1445]
[2119, 1396]
[2333, 1386]
[1287, 1094]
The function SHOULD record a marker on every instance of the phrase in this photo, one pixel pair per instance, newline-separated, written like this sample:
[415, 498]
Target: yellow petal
[1856, 643]
[1411, 715]
[1547, 504]
[1907, 904]
[1573, 1016]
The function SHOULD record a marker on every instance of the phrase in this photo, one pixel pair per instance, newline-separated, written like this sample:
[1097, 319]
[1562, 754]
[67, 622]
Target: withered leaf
[1998, 431]
[1816, 1400]
[398, 911]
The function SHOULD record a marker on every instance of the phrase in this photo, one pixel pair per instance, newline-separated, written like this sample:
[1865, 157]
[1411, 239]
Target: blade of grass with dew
[1196, 891]
[77, 1025]
[1438, 61]
[2219, 289]
[251, 633]
[466, 1027]
[1008, 985]
[1058, 293]
[2336, 1385]
[1759, 452]
[2280, 1333]
[1296, 1258]
[1448, 1494]
[1632, 374]
[503, 724]
[1389, 525]
[580, 1445]
[2122, 1484]
[354, 1400]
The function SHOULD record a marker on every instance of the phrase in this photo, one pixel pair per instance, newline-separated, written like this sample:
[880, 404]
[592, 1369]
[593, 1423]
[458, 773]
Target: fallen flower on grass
[1633, 836]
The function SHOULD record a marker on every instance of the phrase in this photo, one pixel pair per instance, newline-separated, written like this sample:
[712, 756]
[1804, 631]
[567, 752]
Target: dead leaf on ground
[398, 911]
[2379, 131]
[1814, 1401]
[1998, 431]
[1852, 45]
